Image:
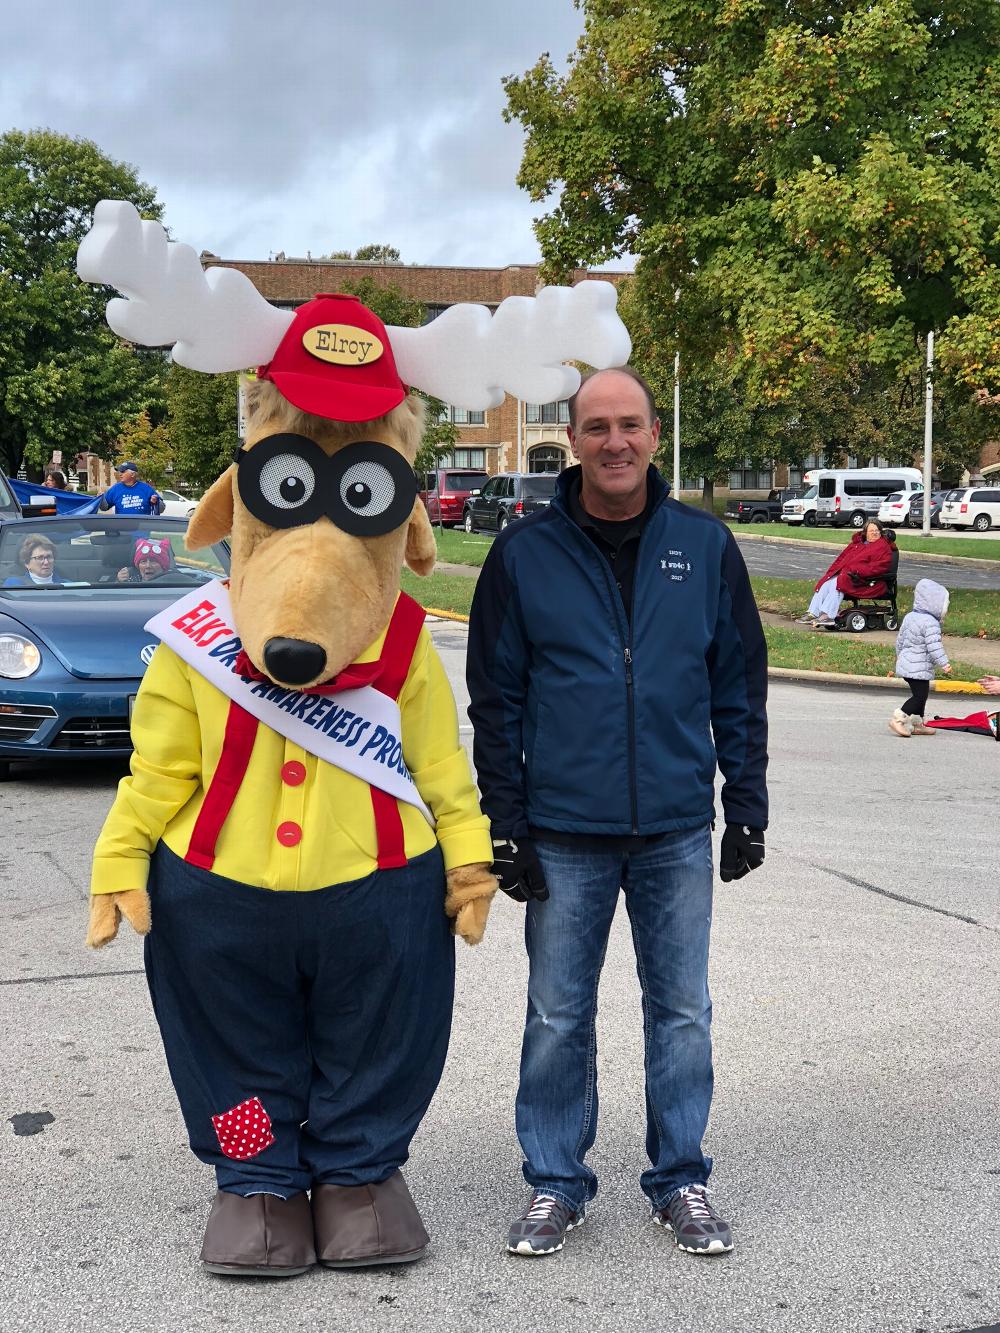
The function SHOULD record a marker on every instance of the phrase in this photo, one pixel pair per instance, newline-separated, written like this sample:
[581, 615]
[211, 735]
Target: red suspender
[241, 732]
[237, 744]
[397, 654]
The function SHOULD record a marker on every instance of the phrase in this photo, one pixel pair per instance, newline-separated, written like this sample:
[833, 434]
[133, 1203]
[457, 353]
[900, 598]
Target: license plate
[131, 705]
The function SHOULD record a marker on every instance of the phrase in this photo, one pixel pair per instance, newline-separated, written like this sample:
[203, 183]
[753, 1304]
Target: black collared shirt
[616, 539]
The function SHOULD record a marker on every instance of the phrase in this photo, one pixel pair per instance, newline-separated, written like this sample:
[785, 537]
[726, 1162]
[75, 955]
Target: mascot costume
[300, 826]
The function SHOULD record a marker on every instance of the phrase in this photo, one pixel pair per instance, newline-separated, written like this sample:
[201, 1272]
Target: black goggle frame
[350, 488]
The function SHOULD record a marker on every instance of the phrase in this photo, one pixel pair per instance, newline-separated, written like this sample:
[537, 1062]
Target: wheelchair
[860, 612]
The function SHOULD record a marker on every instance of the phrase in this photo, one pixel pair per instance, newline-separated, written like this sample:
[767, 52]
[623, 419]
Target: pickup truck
[740, 510]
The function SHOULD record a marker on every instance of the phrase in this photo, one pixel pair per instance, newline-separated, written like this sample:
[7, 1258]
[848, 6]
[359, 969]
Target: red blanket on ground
[980, 724]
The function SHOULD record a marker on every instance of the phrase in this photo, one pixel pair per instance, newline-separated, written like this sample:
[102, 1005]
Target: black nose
[293, 660]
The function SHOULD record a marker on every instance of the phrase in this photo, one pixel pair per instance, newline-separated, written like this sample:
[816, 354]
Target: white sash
[357, 730]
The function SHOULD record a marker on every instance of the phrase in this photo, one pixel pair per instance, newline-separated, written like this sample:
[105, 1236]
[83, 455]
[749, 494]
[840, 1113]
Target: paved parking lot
[855, 1133]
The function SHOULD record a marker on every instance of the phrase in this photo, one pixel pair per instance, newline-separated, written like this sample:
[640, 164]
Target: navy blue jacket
[585, 723]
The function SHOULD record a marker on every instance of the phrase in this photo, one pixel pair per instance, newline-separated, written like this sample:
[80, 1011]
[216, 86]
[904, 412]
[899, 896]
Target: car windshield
[464, 481]
[113, 554]
[810, 494]
[539, 487]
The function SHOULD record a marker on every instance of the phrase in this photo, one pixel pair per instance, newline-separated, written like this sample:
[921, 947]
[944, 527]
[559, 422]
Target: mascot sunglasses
[366, 489]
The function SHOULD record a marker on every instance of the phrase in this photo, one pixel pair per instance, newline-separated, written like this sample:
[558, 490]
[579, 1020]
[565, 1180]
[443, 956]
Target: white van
[847, 497]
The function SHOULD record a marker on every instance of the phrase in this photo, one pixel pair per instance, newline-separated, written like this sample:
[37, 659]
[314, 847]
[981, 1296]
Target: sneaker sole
[526, 1248]
[713, 1247]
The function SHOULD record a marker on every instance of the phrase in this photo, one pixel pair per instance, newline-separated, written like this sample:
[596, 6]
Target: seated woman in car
[856, 572]
[150, 560]
[36, 558]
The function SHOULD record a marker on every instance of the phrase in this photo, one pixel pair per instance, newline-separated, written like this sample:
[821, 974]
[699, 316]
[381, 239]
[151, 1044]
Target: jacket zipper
[626, 650]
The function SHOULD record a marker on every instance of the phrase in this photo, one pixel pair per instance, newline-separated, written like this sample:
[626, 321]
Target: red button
[289, 834]
[293, 773]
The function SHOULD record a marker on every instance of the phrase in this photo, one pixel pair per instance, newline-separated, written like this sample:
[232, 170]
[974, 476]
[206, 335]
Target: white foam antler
[470, 359]
[216, 319]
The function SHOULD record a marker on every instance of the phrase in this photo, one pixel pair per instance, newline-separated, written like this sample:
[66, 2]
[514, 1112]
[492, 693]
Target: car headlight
[19, 657]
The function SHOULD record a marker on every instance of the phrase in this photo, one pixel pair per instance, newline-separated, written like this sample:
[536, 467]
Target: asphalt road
[784, 560]
[855, 1133]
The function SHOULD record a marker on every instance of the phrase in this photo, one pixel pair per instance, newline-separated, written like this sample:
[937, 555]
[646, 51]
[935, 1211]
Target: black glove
[862, 578]
[518, 869]
[742, 851]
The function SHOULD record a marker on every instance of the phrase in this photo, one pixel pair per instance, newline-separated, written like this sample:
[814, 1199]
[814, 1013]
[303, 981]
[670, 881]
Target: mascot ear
[213, 519]
[421, 548]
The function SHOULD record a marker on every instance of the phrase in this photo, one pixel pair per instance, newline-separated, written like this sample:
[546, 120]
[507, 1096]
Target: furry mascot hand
[470, 892]
[107, 909]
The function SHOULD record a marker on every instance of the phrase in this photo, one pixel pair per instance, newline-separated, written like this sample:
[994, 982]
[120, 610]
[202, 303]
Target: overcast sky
[299, 126]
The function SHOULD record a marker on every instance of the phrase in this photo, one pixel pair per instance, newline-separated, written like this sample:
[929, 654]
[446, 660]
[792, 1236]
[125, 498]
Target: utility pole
[928, 432]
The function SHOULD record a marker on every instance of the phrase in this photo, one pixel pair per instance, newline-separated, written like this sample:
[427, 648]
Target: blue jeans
[668, 894]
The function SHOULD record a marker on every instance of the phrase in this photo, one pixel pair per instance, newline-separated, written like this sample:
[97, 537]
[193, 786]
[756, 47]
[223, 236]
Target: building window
[547, 414]
[692, 483]
[809, 463]
[546, 458]
[461, 416]
[749, 478]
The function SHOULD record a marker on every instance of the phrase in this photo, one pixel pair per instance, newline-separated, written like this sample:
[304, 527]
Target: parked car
[176, 505]
[9, 507]
[446, 490]
[848, 497]
[972, 507]
[801, 509]
[72, 653]
[915, 518]
[895, 508]
[743, 510]
[506, 497]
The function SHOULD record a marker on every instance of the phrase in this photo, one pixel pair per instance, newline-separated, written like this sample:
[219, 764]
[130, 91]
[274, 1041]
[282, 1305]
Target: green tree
[148, 445]
[817, 184]
[368, 254]
[202, 423]
[66, 381]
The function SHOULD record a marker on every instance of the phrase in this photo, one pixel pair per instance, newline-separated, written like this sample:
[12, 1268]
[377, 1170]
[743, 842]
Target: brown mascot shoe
[262, 1236]
[357, 1225]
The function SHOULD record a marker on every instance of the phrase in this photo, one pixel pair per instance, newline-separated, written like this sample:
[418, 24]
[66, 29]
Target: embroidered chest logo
[676, 566]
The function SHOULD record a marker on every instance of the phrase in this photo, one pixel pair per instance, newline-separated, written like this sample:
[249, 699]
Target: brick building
[514, 437]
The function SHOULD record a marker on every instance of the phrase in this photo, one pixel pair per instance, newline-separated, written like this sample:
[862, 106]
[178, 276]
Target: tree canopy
[66, 381]
[816, 183]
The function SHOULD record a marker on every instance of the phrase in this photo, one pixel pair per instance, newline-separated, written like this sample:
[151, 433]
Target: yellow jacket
[177, 730]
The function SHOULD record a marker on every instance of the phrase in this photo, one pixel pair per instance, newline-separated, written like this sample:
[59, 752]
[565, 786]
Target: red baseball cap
[336, 361]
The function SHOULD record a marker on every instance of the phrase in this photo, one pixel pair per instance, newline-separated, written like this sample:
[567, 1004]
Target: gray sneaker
[542, 1227]
[694, 1223]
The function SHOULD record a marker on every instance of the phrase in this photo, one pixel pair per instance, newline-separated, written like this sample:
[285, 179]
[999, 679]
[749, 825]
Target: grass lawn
[851, 656]
[445, 592]
[978, 547]
[462, 548]
[969, 610]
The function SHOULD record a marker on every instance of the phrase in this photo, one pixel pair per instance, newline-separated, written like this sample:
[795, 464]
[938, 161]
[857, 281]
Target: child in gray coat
[918, 651]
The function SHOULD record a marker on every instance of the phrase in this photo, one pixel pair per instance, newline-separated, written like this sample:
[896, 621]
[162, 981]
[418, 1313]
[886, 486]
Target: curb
[446, 615]
[877, 682]
[962, 561]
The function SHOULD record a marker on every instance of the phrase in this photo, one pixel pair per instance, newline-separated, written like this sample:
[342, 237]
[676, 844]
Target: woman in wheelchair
[860, 570]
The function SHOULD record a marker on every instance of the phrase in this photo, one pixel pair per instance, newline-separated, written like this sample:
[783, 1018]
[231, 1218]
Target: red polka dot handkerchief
[245, 1130]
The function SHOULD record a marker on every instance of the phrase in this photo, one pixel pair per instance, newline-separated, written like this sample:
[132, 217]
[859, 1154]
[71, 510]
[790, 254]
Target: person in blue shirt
[129, 495]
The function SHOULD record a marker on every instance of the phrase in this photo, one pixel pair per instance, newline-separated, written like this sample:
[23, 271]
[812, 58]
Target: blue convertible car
[75, 594]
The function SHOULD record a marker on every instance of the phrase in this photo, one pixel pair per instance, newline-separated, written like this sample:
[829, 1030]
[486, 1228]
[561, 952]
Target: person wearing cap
[129, 495]
[150, 560]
